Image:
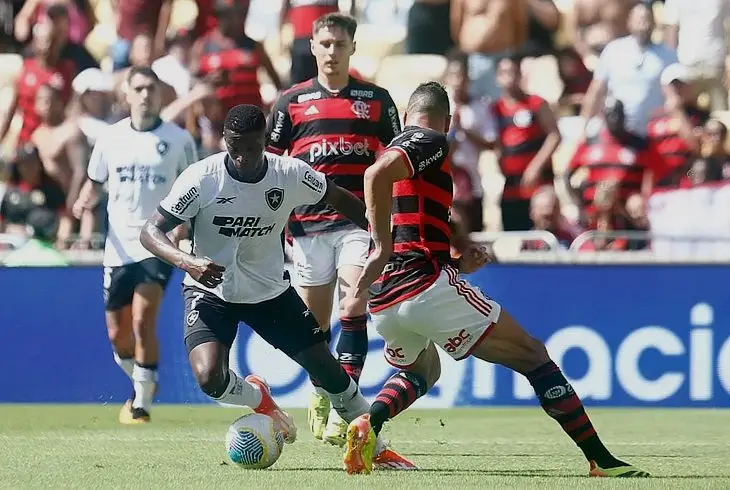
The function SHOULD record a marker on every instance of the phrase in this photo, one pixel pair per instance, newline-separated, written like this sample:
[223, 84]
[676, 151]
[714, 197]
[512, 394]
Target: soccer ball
[252, 441]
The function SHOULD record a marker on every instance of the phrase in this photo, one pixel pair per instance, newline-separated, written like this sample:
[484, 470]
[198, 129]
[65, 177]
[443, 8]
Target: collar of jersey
[152, 128]
[328, 91]
[227, 162]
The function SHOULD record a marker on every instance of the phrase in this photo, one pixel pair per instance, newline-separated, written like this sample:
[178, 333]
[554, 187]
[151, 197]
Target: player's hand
[371, 272]
[205, 271]
[79, 207]
[473, 257]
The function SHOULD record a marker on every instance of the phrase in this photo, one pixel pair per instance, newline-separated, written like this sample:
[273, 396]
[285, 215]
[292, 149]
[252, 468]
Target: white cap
[675, 72]
[94, 80]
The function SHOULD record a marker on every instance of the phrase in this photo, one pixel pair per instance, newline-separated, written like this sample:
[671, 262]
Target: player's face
[143, 96]
[332, 48]
[508, 75]
[246, 150]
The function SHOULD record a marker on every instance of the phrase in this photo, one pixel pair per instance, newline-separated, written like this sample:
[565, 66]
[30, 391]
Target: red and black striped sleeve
[421, 149]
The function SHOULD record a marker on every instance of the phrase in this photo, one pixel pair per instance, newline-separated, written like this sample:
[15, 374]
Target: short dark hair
[429, 98]
[336, 19]
[57, 11]
[245, 118]
[144, 71]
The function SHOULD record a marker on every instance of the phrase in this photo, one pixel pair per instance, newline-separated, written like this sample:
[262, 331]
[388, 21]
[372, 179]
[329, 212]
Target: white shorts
[451, 313]
[318, 257]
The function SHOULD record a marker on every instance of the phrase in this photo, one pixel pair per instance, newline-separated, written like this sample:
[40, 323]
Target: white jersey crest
[238, 225]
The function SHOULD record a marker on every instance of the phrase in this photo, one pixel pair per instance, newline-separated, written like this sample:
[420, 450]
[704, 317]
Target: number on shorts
[196, 297]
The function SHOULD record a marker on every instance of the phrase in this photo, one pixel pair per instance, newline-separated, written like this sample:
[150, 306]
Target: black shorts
[516, 215]
[284, 322]
[120, 282]
[303, 64]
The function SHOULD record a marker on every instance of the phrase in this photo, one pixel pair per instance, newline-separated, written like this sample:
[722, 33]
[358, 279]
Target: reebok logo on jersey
[339, 147]
[185, 201]
[455, 342]
[423, 164]
[242, 226]
[312, 111]
[224, 200]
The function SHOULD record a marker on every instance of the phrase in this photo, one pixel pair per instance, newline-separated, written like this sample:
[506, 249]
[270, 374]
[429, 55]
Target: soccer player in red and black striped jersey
[419, 301]
[337, 124]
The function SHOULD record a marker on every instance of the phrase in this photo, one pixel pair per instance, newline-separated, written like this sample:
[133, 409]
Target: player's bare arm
[88, 199]
[378, 182]
[472, 255]
[346, 203]
[155, 239]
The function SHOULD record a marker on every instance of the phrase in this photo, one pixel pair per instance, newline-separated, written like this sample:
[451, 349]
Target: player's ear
[354, 48]
[311, 45]
[448, 124]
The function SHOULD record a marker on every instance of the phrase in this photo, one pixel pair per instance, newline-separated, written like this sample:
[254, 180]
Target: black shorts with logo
[284, 321]
[120, 282]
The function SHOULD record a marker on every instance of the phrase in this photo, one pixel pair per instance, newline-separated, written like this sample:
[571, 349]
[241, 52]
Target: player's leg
[315, 272]
[286, 324]
[351, 250]
[118, 291]
[151, 278]
[510, 345]
[419, 367]
[211, 325]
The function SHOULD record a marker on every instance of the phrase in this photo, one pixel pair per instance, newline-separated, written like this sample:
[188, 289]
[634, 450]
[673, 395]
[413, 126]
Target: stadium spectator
[543, 21]
[472, 130]
[44, 68]
[576, 79]
[630, 69]
[80, 17]
[675, 130]
[611, 153]
[134, 17]
[301, 14]
[60, 143]
[546, 216]
[697, 32]
[38, 250]
[428, 27]
[95, 92]
[637, 221]
[606, 215]
[230, 56]
[60, 20]
[486, 29]
[528, 136]
[173, 68]
[30, 188]
[595, 23]
[713, 162]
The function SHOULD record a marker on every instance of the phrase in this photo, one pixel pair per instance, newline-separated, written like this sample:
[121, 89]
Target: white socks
[350, 404]
[126, 364]
[240, 392]
[145, 382]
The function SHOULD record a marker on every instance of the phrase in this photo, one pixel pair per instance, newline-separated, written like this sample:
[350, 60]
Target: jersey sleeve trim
[406, 159]
[275, 150]
[97, 182]
[169, 216]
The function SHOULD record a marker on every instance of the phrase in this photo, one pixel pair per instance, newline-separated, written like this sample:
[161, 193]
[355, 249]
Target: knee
[142, 329]
[122, 342]
[210, 378]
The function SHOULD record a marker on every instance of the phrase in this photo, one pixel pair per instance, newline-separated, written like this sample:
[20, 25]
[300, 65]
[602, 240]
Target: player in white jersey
[239, 202]
[139, 158]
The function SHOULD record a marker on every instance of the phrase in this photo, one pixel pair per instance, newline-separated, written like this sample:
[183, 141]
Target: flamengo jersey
[338, 134]
[139, 167]
[421, 230]
[520, 139]
[238, 224]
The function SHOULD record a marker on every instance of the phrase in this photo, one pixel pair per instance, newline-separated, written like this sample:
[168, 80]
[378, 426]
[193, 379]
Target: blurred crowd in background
[567, 114]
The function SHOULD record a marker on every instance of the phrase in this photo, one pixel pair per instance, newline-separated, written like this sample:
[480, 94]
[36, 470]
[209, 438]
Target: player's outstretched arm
[379, 179]
[346, 203]
[154, 237]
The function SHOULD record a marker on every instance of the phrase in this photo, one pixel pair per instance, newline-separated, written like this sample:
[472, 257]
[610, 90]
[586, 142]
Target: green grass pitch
[82, 446]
